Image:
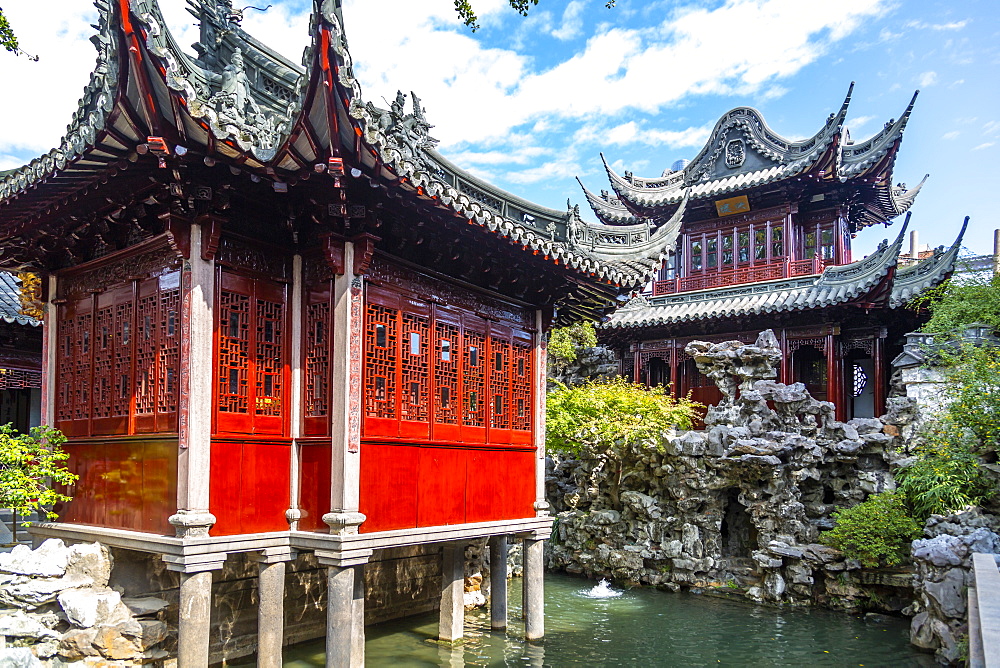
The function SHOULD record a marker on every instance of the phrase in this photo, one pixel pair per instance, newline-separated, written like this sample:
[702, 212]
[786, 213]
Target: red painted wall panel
[123, 484]
[250, 487]
[406, 486]
[388, 486]
[314, 485]
[441, 478]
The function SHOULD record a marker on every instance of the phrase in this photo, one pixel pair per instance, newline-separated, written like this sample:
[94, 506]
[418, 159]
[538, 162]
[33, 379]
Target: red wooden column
[675, 371]
[197, 399]
[834, 376]
[785, 372]
[878, 361]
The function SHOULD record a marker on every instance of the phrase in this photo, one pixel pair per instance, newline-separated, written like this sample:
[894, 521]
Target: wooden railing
[778, 268]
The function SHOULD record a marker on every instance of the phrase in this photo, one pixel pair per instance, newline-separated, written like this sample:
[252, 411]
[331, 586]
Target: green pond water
[640, 627]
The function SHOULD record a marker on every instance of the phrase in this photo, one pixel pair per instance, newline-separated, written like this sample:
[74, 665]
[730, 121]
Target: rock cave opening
[738, 533]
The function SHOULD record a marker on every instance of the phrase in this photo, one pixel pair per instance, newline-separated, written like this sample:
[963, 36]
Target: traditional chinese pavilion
[279, 322]
[765, 242]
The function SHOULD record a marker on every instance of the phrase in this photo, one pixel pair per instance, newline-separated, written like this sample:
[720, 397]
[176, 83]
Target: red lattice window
[317, 376]
[122, 367]
[168, 370]
[474, 379]
[146, 351]
[380, 362]
[447, 351]
[269, 365]
[499, 398]
[65, 374]
[234, 352]
[521, 382]
[82, 351]
[103, 361]
[415, 369]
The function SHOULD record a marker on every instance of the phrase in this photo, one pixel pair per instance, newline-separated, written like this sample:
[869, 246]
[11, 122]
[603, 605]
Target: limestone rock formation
[58, 611]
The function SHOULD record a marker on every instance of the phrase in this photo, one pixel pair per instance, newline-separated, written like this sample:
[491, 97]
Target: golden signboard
[727, 207]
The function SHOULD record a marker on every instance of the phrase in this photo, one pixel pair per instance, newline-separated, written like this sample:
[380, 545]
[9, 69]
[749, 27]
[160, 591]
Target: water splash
[603, 590]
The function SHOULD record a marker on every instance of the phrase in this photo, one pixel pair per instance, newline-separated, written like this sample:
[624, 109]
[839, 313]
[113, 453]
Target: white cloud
[856, 124]
[572, 21]
[927, 79]
[41, 96]
[991, 128]
[984, 145]
[951, 135]
[953, 25]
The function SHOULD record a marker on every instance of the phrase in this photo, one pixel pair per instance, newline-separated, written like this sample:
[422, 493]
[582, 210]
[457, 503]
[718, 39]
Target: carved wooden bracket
[211, 231]
[333, 253]
[364, 248]
[179, 231]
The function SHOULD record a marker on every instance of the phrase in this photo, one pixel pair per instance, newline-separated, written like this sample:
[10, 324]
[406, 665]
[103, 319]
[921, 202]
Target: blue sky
[529, 103]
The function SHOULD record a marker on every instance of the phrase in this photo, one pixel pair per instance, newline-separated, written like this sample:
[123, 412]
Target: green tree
[565, 342]
[31, 466]
[469, 18]
[876, 532]
[8, 40]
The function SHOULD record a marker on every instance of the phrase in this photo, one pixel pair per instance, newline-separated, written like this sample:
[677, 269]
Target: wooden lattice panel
[269, 357]
[65, 373]
[317, 349]
[146, 353]
[16, 379]
[122, 359]
[103, 361]
[415, 369]
[499, 365]
[80, 356]
[169, 353]
[447, 351]
[234, 352]
[520, 389]
[474, 379]
[381, 335]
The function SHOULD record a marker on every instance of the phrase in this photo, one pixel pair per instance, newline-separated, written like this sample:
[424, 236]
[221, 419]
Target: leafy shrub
[947, 475]
[956, 304]
[565, 341]
[598, 415]
[30, 467]
[875, 532]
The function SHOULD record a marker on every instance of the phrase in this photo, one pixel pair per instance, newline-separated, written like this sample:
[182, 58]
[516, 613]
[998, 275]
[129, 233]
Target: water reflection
[638, 627]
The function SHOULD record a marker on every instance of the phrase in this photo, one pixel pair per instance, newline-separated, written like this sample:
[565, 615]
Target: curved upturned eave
[913, 280]
[864, 157]
[609, 213]
[85, 131]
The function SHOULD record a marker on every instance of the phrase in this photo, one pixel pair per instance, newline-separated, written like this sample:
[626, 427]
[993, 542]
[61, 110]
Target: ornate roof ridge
[857, 157]
[914, 279]
[610, 212]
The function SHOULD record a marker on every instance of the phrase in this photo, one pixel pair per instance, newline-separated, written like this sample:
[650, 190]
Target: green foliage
[565, 341]
[947, 475]
[469, 18]
[8, 40]
[875, 532]
[973, 392]
[30, 467]
[956, 304]
[599, 415]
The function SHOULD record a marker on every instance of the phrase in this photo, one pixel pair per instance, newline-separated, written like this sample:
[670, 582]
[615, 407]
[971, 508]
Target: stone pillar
[498, 583]
[540, 383]
[451, 626]
[271, 606]
[534, 589]
[197, 400]
[194, 620]
[345, 608]
[293, 514]
[50, 346]
[345, 408]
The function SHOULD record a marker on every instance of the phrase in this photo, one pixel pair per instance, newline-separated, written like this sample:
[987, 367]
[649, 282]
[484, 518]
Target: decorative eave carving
[364, 249]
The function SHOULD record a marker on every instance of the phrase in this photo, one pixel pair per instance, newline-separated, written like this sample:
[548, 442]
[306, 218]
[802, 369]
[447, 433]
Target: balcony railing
[777, 268]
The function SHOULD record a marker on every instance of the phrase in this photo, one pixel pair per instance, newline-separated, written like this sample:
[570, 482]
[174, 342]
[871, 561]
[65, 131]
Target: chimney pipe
[914, 245]
[996, 252]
